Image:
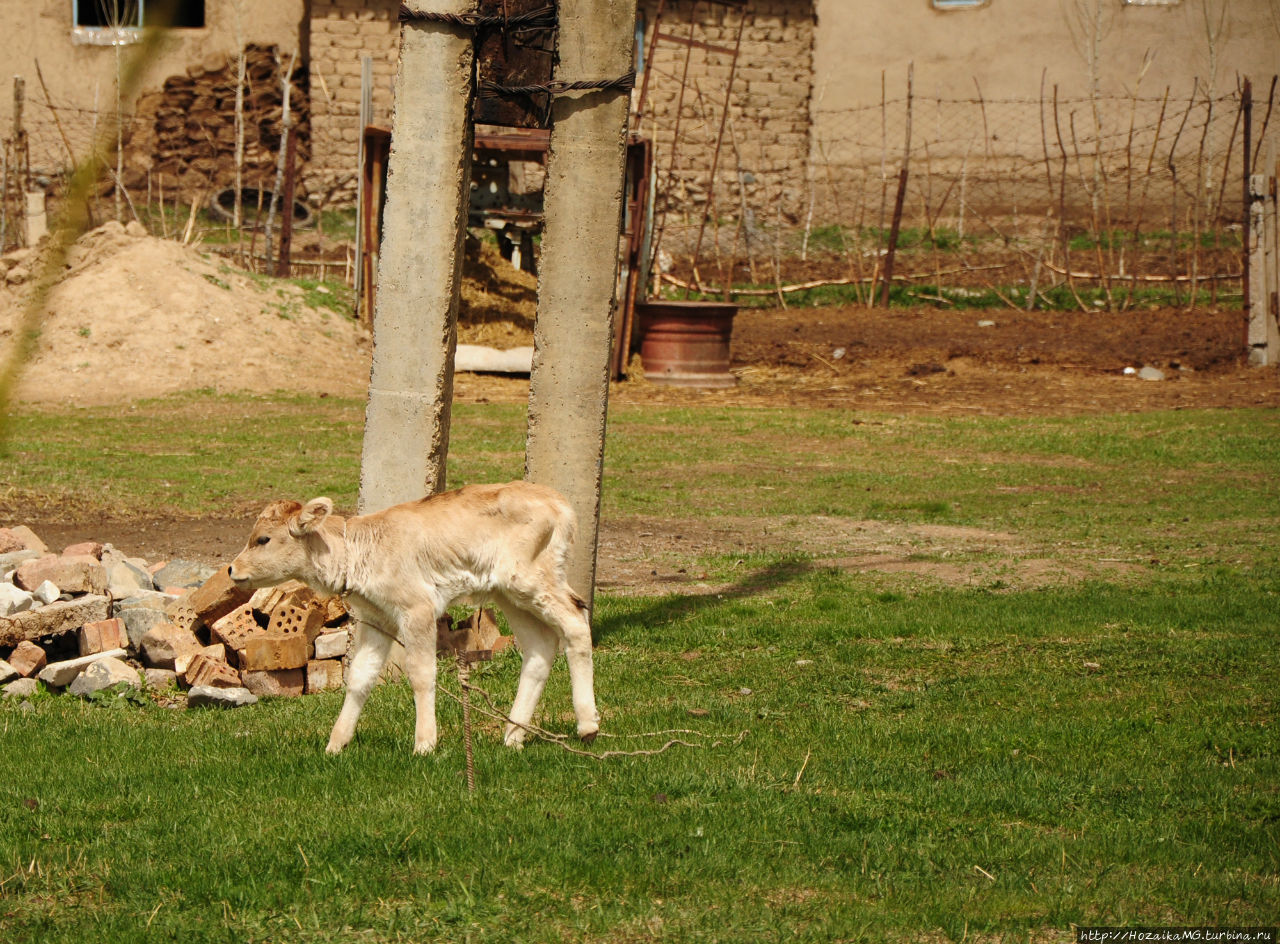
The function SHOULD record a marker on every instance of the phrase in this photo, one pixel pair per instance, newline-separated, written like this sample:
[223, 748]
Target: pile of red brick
[89, 607]
[281, 641]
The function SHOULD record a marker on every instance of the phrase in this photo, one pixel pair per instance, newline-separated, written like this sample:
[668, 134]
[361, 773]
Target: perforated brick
[180, 613]
[235, 628]
[204, 670]
[269, 651]
[302, 621]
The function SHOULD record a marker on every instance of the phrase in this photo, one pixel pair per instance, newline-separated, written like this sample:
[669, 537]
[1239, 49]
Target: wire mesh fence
[966, 200]
[954, 199]
[181, 151]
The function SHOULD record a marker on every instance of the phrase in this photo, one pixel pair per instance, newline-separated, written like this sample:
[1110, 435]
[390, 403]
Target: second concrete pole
[578, 269]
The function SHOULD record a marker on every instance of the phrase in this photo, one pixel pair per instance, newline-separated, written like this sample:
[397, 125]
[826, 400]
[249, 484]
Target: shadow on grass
[677, 606]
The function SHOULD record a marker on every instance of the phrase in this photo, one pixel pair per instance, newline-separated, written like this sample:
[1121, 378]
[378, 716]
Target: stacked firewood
[193, 123]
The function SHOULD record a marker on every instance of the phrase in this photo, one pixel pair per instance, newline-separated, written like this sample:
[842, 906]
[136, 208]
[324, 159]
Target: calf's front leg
[368, 654]
[419, 637]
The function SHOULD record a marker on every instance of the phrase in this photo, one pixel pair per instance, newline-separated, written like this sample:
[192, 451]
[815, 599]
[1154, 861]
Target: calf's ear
[311, 517]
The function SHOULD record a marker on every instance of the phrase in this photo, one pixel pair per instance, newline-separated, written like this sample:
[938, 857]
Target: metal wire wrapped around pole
[542, 18]
[627, 82]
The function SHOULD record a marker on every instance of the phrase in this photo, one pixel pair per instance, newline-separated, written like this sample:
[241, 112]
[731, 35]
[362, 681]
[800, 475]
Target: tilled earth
[1001, 362]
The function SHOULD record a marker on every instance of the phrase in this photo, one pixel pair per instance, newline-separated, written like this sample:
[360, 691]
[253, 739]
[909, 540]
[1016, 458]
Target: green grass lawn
[871, 761]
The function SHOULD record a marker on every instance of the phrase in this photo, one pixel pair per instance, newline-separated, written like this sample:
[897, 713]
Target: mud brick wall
[342, 33]
[766, 139]
[769, 107]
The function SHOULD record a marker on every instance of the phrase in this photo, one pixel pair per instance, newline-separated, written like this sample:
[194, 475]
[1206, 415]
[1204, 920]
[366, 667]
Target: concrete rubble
[173, 627]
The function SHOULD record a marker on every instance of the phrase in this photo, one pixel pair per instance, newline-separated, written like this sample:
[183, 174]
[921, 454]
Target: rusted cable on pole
[1246, 109]
[558, 86]
[541, 18]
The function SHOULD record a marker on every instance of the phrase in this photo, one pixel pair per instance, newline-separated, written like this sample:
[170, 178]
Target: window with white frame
[118, 17]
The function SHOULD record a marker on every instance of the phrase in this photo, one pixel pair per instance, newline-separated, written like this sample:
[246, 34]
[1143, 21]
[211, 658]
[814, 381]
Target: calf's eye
[264, 539]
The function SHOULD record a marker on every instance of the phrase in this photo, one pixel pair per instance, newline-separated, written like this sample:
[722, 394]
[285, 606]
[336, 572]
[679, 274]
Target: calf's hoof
[336, 744]
[589, 737]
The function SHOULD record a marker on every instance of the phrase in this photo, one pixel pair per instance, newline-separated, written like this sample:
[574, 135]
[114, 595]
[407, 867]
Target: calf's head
[282, 545]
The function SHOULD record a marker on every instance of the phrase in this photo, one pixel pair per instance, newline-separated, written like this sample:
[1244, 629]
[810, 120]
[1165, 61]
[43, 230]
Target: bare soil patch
[1001, 362]
[655, 555]
[996, 362]
[137, 317]
[649, 554]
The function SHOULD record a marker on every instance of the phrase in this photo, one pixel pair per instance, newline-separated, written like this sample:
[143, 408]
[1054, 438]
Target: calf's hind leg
[538, 651]
[419, 636]
[569, 620]
[559, 613]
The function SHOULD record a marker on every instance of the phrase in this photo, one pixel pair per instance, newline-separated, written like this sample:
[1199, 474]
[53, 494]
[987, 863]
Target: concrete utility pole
[578, 270]
[406, 435]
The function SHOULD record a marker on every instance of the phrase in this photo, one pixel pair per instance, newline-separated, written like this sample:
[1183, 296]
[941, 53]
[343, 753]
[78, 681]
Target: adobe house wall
[985, 81]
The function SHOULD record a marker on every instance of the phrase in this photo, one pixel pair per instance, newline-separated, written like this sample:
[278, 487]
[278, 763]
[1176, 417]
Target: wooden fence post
[1264, 269]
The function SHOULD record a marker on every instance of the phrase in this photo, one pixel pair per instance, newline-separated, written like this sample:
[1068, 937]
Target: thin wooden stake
[896, 224]
[164, 219]
[57, 120]
[286, 216]
[191, 219]
[4, 195]
[286, 127]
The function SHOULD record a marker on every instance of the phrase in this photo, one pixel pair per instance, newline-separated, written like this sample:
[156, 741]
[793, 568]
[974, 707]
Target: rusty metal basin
[686, 344]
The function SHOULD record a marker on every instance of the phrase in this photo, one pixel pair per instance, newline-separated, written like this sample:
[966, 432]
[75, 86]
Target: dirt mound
[135, 316]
